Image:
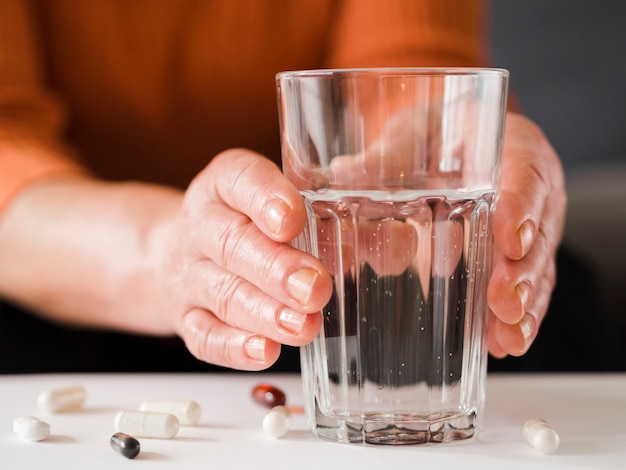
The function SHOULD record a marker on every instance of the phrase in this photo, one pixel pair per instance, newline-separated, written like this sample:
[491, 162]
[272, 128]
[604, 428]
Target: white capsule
[146, 424]
[187, 411]
[276, 422]
[63, 399]
[31, 428]
[539, 434]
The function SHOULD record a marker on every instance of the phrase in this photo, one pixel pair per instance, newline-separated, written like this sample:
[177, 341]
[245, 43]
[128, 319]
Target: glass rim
[394, 72]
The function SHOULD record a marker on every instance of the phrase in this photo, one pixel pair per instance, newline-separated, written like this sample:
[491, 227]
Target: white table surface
[588, 411]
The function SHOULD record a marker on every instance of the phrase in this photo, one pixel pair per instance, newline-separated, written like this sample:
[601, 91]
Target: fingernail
[526, 233]
[523, 293]
[255, 348]
[292, 321]
[527, 328]
[300, 284]
[274, 215]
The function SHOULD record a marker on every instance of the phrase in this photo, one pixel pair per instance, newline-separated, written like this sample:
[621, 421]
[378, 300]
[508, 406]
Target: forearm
[85, 252]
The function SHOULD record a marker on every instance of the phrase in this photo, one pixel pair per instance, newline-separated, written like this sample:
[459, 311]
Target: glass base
[399, 430]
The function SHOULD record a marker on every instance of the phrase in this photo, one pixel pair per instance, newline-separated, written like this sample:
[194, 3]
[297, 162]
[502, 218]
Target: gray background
[567, 60]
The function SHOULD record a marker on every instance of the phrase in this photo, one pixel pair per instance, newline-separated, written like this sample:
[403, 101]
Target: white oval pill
[62, 399]
[276, 422]
[146, 424]
[31, 428]
[539, 434]
[187, 411]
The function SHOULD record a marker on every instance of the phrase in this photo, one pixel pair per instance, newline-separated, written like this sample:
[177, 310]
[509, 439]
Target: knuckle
[226, 292]
[212, 344]
[271, 262]
[232, 239]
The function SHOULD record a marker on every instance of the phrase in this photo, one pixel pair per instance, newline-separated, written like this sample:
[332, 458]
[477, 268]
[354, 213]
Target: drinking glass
[399, 171]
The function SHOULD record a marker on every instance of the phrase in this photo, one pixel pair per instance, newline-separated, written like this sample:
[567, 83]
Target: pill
[62, 399]
[540, 435]
[125, 445]
[268, 395]
[31, 428]
[146, 424]
[187, 411]
[276, 422]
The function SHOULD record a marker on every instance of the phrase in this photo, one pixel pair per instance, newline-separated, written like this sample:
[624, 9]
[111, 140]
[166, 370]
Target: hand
[237, 288]
[528, 226]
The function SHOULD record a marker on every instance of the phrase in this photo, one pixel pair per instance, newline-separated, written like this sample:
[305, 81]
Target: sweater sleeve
[31, 118]
[424, 33]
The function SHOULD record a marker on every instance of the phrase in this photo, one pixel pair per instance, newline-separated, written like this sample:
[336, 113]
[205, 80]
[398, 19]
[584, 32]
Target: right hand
[237, 288]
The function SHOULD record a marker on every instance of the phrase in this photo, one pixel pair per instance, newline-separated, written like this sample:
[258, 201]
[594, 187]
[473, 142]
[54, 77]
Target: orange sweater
[151, 89]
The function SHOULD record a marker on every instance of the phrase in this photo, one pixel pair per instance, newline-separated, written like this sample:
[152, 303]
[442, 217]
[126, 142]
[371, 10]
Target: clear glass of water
[399, 170]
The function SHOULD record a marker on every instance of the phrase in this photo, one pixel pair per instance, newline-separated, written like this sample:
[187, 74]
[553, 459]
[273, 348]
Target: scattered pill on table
[59, 400]
[268, 395]
[125, 445]
[31, 428]
[146, 424]
[540, 435]
[276, 422]
[187, 411]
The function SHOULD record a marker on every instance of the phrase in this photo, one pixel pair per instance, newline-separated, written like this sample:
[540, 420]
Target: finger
[514, 283]
[240, 304]
[253, 185]
[515, 339]
[210, 340]
[234, 243]
[493, 343]
[388, 246]
[531, 175]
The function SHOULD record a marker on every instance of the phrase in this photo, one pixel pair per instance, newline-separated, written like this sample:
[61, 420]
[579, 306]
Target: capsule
[31, 428]
[146, 424]
[268, 395]
[540, 435]
[187, 411]
[276, 422]
[125, 445]
[59, 400]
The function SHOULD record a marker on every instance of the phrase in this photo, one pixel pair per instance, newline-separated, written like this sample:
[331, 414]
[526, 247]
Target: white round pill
[539, 434]
[146, 424]
[187, 411]
[276, 422]
[31, 428]
[62, 399]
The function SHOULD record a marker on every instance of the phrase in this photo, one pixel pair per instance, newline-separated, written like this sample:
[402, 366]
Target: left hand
[528, 225]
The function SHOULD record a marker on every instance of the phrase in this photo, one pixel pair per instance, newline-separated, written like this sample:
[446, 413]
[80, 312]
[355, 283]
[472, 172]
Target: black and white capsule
[125, 445]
